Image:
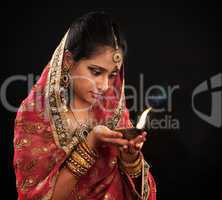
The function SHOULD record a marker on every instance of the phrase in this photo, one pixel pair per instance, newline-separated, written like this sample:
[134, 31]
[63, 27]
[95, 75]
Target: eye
[113, 75]
[95, 72]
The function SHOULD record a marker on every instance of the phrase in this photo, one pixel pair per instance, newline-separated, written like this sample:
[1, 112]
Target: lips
[97, 95]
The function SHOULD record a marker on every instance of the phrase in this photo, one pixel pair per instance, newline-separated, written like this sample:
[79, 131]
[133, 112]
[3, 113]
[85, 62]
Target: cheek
[82, 85]
[82, 80]
[111, 83]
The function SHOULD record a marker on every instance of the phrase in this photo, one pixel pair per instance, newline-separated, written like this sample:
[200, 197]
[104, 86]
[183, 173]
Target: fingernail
[125, 146]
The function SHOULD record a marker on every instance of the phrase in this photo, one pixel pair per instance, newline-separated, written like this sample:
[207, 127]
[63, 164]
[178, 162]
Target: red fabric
[37, 158]
[152, 186]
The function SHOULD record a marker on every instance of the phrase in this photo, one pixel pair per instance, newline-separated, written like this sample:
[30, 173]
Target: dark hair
[91, 31]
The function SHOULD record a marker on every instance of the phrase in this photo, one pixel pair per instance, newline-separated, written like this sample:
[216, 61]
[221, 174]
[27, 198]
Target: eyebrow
[104, 69]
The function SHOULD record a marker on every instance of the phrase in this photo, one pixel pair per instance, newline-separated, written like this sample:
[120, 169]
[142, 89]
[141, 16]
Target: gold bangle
[132, 169]
[73, 169]
[135, 169]
[77, 166]
[135, 172]
[90, 151]
[81, 160]
[84, 155]
[131, 164]
[75, 156]
[135, 175]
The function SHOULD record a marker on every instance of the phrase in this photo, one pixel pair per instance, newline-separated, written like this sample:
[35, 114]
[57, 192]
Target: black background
[171, 44]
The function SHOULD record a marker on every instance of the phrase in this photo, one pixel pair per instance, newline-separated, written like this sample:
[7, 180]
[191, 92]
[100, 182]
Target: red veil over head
[43, 141]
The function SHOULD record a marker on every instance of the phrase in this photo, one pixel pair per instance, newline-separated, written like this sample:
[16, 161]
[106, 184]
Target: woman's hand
[136, 144]
[129, 152]
[102, 134]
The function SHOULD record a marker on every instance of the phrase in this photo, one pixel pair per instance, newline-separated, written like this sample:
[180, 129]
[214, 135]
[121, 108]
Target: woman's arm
[77, 165]
[131, 165]
[69, 174]
[64, 184]
[86, 155]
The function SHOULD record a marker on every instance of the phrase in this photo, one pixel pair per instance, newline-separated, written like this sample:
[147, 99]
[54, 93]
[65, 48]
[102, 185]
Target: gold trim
[58, 120]
[145, 184]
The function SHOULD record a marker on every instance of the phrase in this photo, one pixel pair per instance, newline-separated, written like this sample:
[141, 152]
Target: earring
[65, 76]
[64, 89]
[117, 57]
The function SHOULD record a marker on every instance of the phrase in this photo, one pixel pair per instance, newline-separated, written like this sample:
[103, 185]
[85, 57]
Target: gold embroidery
[32, 128]
[108, 196]
[24, 165]
[28, 182]
[113, 163]
[39, 150]
[145, 186]
[22, 142]
[60, 132]
[45, 149]
[47, 134]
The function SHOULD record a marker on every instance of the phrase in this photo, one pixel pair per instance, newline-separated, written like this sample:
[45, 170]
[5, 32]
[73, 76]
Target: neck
[82, 111]
[79, 105]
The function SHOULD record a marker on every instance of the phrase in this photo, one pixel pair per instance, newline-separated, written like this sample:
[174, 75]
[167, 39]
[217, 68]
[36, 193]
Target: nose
[103, 84]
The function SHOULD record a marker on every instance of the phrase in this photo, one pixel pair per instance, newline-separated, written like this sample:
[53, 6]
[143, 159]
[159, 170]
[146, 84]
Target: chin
[90, 100]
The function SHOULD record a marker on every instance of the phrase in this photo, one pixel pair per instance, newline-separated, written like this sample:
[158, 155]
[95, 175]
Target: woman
[65, 142]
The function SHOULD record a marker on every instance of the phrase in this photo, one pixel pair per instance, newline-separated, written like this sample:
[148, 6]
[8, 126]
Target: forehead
[104, 58]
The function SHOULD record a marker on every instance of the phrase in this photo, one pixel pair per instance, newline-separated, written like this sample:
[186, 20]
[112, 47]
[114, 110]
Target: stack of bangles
[133, 169]
[81, 159]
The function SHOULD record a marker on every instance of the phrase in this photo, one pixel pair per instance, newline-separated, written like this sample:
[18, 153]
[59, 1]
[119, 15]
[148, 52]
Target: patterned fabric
[42, 142]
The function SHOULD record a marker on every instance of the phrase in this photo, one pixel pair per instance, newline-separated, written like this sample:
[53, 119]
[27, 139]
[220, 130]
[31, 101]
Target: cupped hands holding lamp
[70, 147]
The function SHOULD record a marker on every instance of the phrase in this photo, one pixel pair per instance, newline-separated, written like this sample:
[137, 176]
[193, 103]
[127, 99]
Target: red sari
[42, 142]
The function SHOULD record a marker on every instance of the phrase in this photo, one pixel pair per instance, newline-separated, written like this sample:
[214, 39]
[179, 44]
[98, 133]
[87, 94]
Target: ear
[68, 58]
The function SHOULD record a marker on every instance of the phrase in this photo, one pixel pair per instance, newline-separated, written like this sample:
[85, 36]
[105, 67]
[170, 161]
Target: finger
[99, 128]
[116, 141]
[111, 134]
[144, 133]
[138, 139]
[136, 147]
[115, 133]
[139, 145]
[106, 132]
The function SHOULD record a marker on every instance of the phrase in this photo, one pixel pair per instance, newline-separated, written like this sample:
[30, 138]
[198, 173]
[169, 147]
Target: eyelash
[96, 72]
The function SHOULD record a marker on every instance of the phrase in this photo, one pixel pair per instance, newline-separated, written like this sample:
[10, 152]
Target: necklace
[83, 124]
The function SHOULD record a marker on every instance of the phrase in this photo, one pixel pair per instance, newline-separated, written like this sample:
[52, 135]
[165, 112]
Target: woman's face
[94, 76]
